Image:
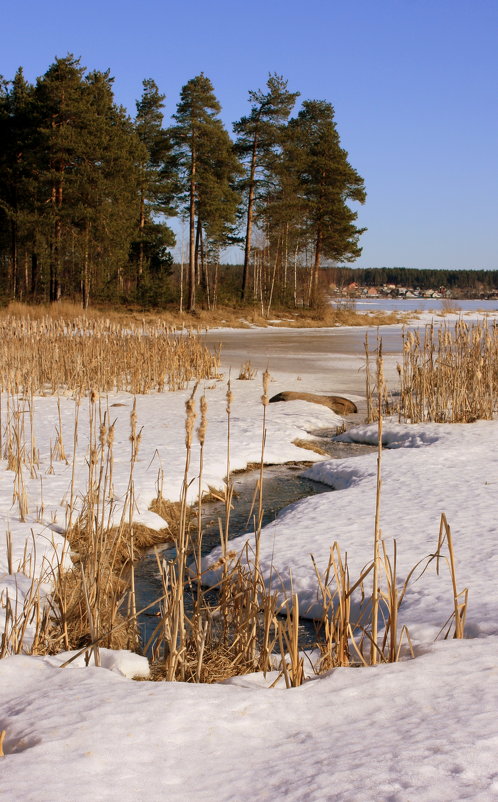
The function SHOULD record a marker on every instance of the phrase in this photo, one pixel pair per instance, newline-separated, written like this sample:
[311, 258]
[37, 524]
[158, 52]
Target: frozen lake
[322, 360]
[330, 360]
[422, 305]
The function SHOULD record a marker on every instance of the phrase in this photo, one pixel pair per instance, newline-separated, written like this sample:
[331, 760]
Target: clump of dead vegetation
[247, 372]
[51, 354]
[448, 374]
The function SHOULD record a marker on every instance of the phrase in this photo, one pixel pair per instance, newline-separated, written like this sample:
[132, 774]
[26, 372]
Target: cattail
[110, 435]
[266, 381]
[229, 398]
[201, 431]
[189, 421]
[102, 435]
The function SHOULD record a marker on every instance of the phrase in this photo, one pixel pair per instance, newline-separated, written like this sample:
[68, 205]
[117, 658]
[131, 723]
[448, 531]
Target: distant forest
[475, 281]
[87, 194]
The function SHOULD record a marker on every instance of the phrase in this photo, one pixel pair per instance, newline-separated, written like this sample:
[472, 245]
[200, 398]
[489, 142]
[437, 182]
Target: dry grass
[310, 445]
[451, 374]
[223, 316]
[247, 372]
[447, 375]
[55, 354]
[172, 513]
[449, 306]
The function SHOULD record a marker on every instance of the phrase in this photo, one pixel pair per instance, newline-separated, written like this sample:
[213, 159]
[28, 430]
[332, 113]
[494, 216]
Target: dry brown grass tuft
[172, 513]
[449, 374]
[70, 611]
[310, 445]
[247, 372]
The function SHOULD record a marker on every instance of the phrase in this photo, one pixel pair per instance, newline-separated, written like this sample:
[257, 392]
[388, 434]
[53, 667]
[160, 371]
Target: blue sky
[413, 83]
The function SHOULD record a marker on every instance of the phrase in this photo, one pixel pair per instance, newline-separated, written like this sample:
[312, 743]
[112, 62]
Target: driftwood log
[343, 406]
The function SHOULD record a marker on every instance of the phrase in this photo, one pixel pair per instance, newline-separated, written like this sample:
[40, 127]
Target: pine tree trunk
[205, 274]
[286, 256]
[295, 275]
[191, 271]
[272, 285]
[250, 212]
[198, 236]
[141, 227]
[316, 269]
[215, 285]
[34, 274]
[14, 261]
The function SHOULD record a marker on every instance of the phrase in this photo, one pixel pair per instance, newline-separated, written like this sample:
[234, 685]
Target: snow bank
[427, 469]
[425, 729]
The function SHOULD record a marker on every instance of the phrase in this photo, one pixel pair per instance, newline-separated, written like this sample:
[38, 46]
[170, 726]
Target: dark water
[283, 485]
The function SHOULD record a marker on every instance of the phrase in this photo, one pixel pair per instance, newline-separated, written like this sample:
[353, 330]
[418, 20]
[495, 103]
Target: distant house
[372, 291]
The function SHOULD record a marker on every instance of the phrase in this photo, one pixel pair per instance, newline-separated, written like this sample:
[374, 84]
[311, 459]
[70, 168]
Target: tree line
[87, 193]
[476, 281]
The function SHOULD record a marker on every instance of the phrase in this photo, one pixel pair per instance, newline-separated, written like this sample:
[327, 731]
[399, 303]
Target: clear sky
[413, 83]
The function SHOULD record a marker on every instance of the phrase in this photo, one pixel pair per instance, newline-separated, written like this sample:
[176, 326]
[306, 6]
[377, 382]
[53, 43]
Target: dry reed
[448, 374]
[50, 355]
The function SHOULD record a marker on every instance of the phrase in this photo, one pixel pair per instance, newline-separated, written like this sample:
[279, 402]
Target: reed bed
[243, 622]
[448, 374]
[48, 355]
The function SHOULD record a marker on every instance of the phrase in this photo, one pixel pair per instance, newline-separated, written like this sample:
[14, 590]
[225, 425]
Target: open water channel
[283, 485]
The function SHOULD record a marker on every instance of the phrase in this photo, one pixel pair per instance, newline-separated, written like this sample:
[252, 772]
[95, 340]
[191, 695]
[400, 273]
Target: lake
[422, 304]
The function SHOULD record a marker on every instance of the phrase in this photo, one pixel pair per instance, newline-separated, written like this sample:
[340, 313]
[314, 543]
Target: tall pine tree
[322, 183]
[206, 160]
[158, 183]
[258, 136]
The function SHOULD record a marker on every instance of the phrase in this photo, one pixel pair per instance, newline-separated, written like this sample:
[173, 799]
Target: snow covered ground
[423, 729]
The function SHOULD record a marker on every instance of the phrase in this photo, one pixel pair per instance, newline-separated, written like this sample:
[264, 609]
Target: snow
[422, 729]
[427, 469]
[425, 729]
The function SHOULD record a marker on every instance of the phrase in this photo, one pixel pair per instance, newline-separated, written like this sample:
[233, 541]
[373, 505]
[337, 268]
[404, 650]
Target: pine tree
[158, 182]
[258, 136]
[106, 203]
[218, 200]
[323, 182]
[87, 158]
[206, 161]
[16, 178]
[59, 97]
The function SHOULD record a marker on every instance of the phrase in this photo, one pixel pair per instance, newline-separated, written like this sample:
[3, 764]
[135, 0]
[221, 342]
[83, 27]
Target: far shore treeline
[471, 282]
[88, 194]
